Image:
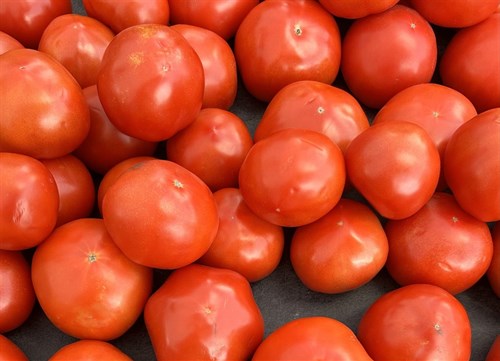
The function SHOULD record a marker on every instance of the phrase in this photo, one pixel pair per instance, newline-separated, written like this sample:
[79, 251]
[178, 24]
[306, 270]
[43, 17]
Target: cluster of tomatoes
[121, 155]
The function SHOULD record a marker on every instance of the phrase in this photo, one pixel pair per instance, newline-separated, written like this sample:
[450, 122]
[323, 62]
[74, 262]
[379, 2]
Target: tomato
[89, 350]
[151, 82]
[160, 214]
[341, 251]
[219, 65]
[18, 296]
[317, 106]
[29, 203]
[213, 147]
[385, 53]
[10, 351]
[395, 166]
[356, 9]
[283, 41]
[494, 351]
[493, 272]
[416, 322]
[204, 313]
[119, 15]
[105, 145]
[25, 20]
[220, 16]
[85, 285]
[293, 177]
[7, 43]
[78, 42]
[311, 338]
[244, 243]
[472, 165]
[47, 123]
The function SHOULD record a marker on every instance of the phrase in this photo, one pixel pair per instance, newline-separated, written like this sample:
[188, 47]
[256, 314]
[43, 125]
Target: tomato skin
[280, 42]
[472, 167]
[418, 321]
[494, 352]
[7, 43]
[195, 300]
[393, 49]
[89, 350]
[85, 285]
[10, 351]
[493, 272]
[350, 9]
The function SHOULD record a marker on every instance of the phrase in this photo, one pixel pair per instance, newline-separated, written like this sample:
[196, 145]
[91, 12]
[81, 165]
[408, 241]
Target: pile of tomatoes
[161, 160]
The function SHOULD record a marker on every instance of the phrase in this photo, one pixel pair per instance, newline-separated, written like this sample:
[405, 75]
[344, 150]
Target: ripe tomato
[204, 313]
[293, 177]
[356, 9]
[151, 82]
[7, 43]
[472, 165]
[494, 352]
[85, 285]
[29, 203]
[385, 53]
[89, 350]
[47, 123]
[10, 351]
[493, 272]
[213, 147]
[18, 296]
[413, 322]
[341, 251]
[283, 41]
[311, 338]
[244, 243]
[317, 106]
[77, 42]
[160, 214]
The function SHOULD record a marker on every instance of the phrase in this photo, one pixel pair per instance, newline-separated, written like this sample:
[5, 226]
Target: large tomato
[416, 322]
[385, 53]
[10, 351]
[151, 82]
[493, 272]
[85, 285]
[7, 43]
[283, 41]
[89, 350]
[204, 313]
[356, 9]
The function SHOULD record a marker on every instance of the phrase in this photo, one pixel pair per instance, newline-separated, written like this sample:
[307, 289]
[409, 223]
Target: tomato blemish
[297, 29]
[177, 183]
[92, 257]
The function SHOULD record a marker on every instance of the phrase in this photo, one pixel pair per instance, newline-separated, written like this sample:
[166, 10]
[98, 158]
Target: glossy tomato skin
[29, 203]
[160, 214]
[244, 243]
[472, 165]
[394, 49]
[282, 41]
[311, 338]
[493, 272]
[356, 9]
[310, 104]
[18, 296]
[47, 123]
[418, 321]
[89, 350]
[293, 177]
[151, 82]
[7, 43]
[85, 285]
[195, 300]
[10, 351]
[341, 251]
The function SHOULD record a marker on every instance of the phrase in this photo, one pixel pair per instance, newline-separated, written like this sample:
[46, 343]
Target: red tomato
[89, 350]
[29, 203]
[244, 243]
[472, 165]
[395, 166]
[293, 177]
[283, 41]
[440, 244]
[151, 82]
[7, 43]
[85, 285]
[10, 351]
[47, 123]
[311, 338]
[18, 296]
[385, 53]
[493, 272]
[105, 146]
[221, 16]
[77, 42]
[356, 9]
[341, 251]
[160, 214]
[204, 313]
[471, 63]
[317, 106]
[213, 147]
[416, 322]
[25, 20]
[219, 65]
[494, 352]
[119, 15]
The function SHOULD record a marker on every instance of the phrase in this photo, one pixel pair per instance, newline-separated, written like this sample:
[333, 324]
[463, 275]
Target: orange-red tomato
[10, 351]
[89, 350]
[493, 272]
[7, 43]
[356, 9]
[494, 351]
